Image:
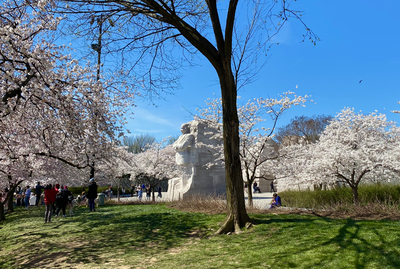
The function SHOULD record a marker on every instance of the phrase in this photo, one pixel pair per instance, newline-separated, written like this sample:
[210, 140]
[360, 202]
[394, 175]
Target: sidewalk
[260, 200]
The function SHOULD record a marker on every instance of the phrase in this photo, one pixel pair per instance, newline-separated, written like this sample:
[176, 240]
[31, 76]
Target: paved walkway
[260, 200]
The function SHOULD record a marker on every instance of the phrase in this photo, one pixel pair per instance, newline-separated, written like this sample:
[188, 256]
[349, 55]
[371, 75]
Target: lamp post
[97, 47]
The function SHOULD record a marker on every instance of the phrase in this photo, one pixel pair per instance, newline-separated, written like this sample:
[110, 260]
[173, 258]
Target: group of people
[256, 188]
[140, 189]
[56, 198]
[276, 199]
[25, 196]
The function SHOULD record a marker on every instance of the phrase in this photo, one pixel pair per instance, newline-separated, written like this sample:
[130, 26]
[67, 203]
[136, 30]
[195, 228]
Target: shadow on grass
[324, 242]
[90, 238]
[124, 235]
[349, 238]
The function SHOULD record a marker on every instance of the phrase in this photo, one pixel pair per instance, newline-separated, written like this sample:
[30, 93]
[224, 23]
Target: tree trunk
[356, 201]
[237, 216]
[119, 200]
[249, 194]
[2, 216]
[10, 201]
[10, 196]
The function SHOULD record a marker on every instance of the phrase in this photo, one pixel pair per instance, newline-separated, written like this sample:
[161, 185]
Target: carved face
[185, 128]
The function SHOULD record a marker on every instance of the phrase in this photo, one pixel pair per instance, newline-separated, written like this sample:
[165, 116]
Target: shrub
[319, 199]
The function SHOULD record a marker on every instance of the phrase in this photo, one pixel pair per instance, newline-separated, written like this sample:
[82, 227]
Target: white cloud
[141, 114]
[284, 36]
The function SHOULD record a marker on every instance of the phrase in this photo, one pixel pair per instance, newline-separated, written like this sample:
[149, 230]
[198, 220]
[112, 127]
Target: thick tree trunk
[237, 216]
[356, 200]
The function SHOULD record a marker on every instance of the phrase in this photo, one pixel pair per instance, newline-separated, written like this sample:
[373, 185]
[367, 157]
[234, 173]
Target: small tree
[256, 145]
[154, 165]
[303, 129]
[138, 143]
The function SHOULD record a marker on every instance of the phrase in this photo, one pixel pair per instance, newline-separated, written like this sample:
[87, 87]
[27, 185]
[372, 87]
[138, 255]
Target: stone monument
[192, 155]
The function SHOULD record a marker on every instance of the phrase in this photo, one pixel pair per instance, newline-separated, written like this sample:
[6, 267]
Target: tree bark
[250, 193]
[356, 200]
[2, 215]
[237, 216]
[10, 200]
[10, 195]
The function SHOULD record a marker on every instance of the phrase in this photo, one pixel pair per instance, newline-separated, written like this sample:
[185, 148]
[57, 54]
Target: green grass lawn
[155, 236]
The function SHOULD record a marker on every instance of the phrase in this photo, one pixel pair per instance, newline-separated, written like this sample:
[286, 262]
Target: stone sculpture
[192, 155]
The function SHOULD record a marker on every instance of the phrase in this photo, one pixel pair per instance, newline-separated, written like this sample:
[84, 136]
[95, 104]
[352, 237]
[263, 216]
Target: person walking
[38, 192]
[28, 193]
[49, 200]
[57, 188]
[140, 193]
[272, 186]
[133, 190]
[92, 194]
[110, 192]
[148, 193]
[255, 187]
[62, 200]
[159, 192]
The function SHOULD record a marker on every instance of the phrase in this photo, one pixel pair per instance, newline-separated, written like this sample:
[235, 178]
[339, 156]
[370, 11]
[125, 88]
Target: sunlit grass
[155, 236]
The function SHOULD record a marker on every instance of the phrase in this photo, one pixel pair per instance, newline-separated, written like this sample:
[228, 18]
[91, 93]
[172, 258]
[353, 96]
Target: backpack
[59, 196]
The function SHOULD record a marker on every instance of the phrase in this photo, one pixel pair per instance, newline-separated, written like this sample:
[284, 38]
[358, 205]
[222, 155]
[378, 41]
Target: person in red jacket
[57, 188]
[49, 199]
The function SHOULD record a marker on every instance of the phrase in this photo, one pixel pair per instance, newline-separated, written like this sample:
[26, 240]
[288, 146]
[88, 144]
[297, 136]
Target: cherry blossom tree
[116, 167]
[51, 107]
[256, 144]
[155, 164]
[353, 148]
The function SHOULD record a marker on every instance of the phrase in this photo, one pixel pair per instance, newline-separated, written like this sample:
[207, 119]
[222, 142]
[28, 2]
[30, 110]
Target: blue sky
[359, 41]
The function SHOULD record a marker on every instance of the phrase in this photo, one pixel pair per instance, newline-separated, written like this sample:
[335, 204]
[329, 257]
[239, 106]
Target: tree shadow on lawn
[98, 237]
[352, 240]
[365, 251]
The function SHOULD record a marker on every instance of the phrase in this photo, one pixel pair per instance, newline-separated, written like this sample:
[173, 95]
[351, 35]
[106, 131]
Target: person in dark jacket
[38, 192]
[62, 200]
[92, 194]
[159, 192]
[272, 187]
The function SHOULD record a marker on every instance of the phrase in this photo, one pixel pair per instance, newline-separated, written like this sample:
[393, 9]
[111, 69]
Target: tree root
[229, 226]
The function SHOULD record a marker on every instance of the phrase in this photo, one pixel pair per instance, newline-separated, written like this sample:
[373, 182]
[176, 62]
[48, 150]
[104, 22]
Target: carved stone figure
[192, 155]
